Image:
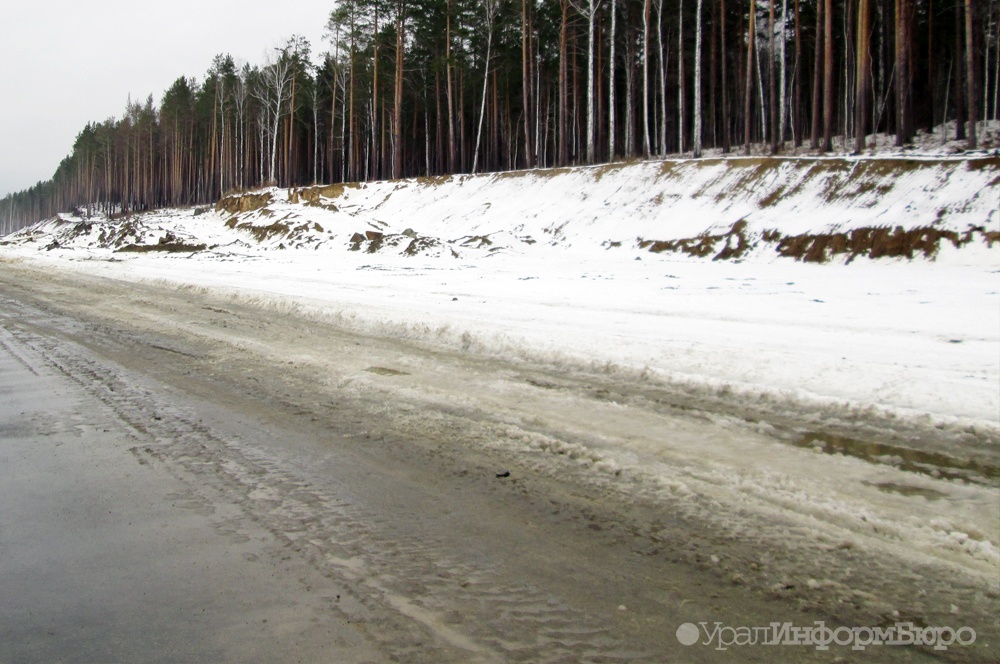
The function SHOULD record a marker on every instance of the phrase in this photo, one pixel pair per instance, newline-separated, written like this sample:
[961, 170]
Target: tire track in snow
[409, 593]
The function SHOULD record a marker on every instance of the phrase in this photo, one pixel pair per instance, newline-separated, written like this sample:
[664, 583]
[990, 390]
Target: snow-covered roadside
[913, 339]
[557, 266]
[610, 428]
[912, 345]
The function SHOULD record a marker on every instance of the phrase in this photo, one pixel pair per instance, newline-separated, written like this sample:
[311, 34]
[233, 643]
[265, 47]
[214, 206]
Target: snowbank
[755, 208]
[717, 208]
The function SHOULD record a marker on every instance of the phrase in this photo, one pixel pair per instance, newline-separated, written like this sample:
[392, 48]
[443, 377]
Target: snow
[552, 268]
[541, 280]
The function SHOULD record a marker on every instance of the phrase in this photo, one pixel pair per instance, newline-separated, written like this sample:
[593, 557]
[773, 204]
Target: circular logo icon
[687, 634]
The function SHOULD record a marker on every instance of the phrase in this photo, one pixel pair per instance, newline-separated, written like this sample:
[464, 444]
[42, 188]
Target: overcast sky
[64, 63]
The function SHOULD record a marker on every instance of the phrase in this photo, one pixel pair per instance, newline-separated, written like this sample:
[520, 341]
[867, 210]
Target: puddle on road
[932, 464]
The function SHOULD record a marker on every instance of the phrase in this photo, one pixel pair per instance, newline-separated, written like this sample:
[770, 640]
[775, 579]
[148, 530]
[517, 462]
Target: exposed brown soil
[734, 244]
[170, 247]
[872, 242]
[243, 202]
[420, 244]
[477, 241]
[262, 233]
[314, 195]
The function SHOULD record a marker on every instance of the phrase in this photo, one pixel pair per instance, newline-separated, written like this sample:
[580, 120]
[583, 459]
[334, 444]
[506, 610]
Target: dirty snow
[550, 266]
[554, 269]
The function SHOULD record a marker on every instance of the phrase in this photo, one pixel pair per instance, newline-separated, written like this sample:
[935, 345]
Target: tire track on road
[416, 600]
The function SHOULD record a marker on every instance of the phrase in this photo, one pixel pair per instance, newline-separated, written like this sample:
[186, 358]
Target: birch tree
[274, 90]
[490, 10]
[661, 68]
[588, 9]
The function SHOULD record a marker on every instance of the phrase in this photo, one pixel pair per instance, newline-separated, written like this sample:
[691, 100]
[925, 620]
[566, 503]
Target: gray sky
[64, 63]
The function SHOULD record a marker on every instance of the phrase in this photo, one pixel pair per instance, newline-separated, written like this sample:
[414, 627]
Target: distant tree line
[431, 87]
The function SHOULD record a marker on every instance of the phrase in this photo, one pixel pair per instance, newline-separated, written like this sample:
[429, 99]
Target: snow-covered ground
[834, 290]
[559, 266]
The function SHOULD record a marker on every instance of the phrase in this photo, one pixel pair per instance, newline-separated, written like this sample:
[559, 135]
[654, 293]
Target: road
[192, 477]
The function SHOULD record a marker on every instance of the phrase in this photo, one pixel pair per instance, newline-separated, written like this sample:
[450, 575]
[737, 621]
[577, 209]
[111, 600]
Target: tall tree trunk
[590, 11]
[563, 151]
[817, 92]
[748, 89]
[726, 119]
[343, 131]
[647, 150]
[931, 97]
[452, 154]
[612, 64]
[713, 72]
[903, 134]
[996, 64]
[971, 75]
[440, 160]
[526, 79]
[491, 6]
[697, 81]
[960, 70]
[331, 176]
[680, 76]
[463, 156]
[288, 128]
[849, 70]
[374, 172]
[828, 78]
[863, 78]
[315, 109]
[350, 150]
[985, 90]
[797, 129]
[782, 77]
[663, 62]
[996, 67]
[772, 79]
[397, 104]
[215, 118]
[630, 98]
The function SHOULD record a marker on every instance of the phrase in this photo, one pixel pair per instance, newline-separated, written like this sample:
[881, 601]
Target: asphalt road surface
[186, 477]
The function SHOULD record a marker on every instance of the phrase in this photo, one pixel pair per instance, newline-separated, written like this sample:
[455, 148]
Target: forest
[408, 88]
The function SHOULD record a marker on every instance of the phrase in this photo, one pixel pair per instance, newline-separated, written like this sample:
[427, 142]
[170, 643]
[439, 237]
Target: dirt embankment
[244, 202]
[872, 208]
[868, 242]
[806, 209]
